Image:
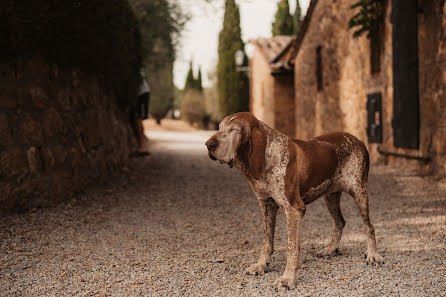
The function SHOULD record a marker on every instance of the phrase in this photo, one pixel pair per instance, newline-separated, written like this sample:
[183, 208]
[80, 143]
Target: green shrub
[99, 37]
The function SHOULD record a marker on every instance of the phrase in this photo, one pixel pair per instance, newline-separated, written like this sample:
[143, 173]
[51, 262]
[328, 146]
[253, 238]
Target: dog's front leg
[269, 210]
[293, 218]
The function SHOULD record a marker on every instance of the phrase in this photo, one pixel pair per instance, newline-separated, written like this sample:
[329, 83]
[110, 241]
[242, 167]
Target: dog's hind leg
[269, 210]
[360, 196]
[333, 202]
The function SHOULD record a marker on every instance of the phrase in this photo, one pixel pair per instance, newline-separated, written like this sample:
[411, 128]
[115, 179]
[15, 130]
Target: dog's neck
[262, 154]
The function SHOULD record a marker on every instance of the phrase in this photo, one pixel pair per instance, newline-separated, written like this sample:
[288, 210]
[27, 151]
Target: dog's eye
[233, 129]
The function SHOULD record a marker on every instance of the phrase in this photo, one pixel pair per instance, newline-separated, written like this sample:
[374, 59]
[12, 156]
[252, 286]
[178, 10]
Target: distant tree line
[161, 22]
[285, 23]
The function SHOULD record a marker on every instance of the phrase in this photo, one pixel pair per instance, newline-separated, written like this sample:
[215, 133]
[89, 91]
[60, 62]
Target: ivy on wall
[367, 20]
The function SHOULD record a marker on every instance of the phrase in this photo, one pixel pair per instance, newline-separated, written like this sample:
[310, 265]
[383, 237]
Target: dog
[291, 173]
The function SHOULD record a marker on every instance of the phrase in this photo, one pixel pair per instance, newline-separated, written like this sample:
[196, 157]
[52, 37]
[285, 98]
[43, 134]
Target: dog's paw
[257, 268]
[328, 252]
[284, 282]
[374, 259]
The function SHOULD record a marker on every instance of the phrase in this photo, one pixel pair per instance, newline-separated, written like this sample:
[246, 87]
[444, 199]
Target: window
[375, 53]
[319, 68]
[376, 46]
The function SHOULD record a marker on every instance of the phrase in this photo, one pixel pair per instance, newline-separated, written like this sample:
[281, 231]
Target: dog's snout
[211, 144]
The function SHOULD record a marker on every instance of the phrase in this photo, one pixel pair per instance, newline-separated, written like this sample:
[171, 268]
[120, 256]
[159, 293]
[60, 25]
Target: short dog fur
[292, 173]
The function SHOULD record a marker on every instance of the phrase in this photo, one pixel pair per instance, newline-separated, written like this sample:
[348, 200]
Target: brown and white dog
[292, 173]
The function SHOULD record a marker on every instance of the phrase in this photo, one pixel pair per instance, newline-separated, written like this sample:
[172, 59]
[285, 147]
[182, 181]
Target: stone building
[272, 92]
[389, 91]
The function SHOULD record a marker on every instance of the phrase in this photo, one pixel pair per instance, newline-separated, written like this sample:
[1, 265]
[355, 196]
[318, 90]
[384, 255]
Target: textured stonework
[272, 97]
[347, 79]
[53, 145]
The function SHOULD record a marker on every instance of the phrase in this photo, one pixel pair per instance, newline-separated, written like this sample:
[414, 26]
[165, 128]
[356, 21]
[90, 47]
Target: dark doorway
[319, 68]
[406, 114]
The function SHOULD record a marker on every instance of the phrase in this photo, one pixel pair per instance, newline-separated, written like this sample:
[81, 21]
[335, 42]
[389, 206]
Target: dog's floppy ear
[251, 152]
[256, 154]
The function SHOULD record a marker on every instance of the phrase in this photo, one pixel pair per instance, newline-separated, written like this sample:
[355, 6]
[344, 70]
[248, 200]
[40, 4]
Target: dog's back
[331, 162]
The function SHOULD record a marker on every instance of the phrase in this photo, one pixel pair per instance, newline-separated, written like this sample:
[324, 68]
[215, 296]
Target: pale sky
[199, 41]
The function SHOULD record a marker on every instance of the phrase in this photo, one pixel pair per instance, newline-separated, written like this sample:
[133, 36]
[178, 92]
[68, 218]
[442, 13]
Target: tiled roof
[271, 47]
[281, 51]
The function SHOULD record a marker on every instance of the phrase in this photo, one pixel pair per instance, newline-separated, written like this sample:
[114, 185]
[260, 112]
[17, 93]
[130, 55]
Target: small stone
[38, 97]
[31, 131]
[13, 163]
[60, 153]
[53, 123]
[34, 161]
[49, 159]
[5, 190]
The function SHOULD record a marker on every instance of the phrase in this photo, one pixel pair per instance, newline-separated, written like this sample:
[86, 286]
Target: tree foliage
[98, 37]
[193, 108]
[368, 18]
[199, 81]
[191, 81]
[233, 88]
[161, 23]
[297, 17]
[283, 23]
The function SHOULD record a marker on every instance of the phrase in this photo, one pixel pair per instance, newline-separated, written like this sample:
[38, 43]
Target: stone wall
[59, 131]
[272, 97]
[432, 71]
[347, 79]
[261, 97]
[284, 104]
[342, 93]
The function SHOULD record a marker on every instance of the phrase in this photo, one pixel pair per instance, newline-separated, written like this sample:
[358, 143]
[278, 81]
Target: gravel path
[178, 224]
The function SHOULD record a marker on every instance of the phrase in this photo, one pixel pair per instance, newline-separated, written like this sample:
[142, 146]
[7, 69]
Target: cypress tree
[233, 88]
[284, 22]
[190, 80]
[199, 84]
[297, 16]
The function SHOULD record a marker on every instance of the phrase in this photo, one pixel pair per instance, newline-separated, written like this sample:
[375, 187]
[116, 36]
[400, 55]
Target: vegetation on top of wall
[368, 18]
[99, 37]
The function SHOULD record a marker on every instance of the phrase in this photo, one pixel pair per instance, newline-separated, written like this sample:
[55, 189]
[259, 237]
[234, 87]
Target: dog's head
[240, 137]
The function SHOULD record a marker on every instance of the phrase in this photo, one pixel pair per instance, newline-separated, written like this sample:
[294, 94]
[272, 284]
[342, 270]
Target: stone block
[63, 96]
[5, 191]
[63, 187]
[32, 193]
[81, 145]
[60, 153]
[39, 97]
[34, 160]
[31, 131]
[5, 131]
[49, 159]
[92, 131]
[53, 123]
[13, 163]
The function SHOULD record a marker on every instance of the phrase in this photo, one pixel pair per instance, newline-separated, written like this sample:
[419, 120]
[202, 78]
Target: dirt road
[177, 224]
